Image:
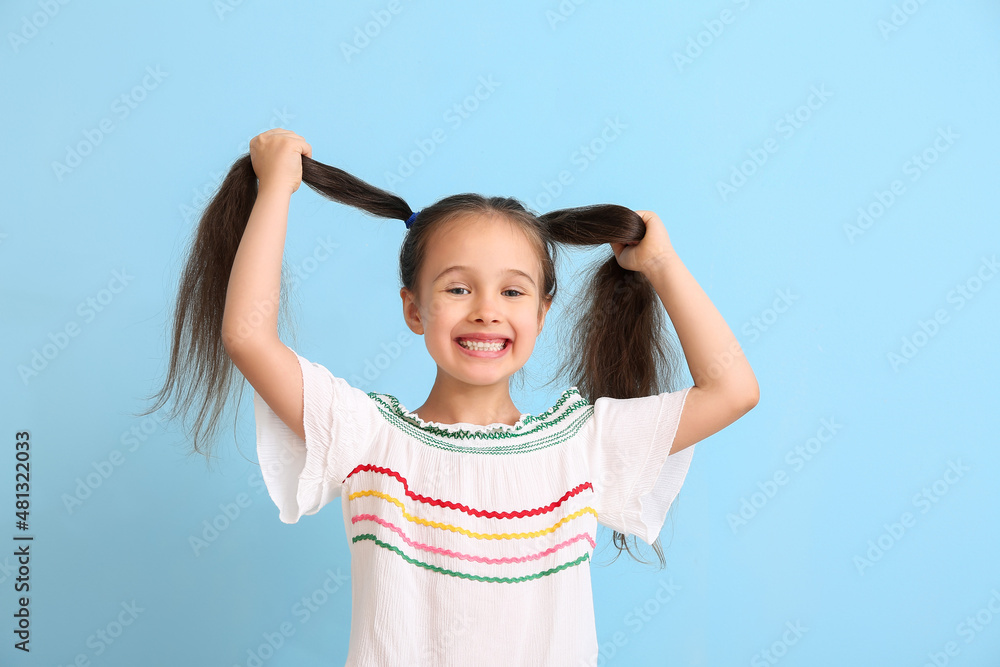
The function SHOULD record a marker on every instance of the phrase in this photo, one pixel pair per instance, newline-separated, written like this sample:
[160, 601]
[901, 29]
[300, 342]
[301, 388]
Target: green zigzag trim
[476, 577]
[390, 402]
[579, 412]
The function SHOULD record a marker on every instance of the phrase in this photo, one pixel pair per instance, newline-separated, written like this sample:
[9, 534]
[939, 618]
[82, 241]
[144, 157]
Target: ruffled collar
[464, 428]
[459, 427]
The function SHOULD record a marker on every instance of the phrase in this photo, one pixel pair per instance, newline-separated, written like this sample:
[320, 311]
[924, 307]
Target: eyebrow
[452, 269]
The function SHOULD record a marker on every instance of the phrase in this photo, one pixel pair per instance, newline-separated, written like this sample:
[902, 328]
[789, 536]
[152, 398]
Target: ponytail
[619, 346]
[200, 375]
[618, 342]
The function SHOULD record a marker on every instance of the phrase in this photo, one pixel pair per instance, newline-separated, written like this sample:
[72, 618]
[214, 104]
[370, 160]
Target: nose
[486, 309]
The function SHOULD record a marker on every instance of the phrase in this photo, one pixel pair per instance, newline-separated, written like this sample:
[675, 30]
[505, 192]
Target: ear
[411, 311]
[546, 304]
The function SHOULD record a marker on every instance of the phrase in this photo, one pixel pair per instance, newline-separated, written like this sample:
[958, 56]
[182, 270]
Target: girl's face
[479, 287]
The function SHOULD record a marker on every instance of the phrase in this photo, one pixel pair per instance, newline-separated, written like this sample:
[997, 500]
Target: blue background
[696, 90]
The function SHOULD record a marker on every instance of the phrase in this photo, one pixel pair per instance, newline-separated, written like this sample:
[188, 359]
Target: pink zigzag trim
[478, 559]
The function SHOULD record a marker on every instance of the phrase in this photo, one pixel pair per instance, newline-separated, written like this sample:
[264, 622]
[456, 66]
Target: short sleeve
[339, 421]
[635, 476]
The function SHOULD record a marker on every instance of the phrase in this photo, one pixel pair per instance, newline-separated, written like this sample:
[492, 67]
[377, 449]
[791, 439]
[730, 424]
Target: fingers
[647, 216]
[285, 139]
[298, 141]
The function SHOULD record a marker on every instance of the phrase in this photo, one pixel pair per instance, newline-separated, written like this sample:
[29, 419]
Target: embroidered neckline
[465, 429]
[459, 427]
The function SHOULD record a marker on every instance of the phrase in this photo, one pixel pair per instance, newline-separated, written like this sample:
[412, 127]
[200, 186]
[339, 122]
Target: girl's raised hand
[643, 255]
[276, 156]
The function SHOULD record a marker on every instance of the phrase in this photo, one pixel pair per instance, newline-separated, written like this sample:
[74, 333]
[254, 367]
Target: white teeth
[482, 347]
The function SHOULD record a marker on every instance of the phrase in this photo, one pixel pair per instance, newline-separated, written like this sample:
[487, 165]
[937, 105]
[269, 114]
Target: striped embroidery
[555, 425]
[357, 518]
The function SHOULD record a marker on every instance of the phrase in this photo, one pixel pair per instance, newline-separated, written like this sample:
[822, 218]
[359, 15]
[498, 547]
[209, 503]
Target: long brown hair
[618, 345]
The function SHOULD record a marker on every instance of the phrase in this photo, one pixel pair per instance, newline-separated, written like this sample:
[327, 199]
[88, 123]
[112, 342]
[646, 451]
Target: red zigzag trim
[458, 506]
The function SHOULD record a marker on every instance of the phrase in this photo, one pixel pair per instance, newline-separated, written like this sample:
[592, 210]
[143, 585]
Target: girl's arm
[725, 387]
[251, 314]
[250, 318]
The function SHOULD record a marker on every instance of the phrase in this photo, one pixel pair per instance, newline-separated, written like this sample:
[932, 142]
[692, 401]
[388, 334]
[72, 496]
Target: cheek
[527, 326]
[440, 319]
[431, 311]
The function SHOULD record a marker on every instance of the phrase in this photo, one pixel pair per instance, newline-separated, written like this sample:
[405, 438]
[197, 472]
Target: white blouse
[471, 545]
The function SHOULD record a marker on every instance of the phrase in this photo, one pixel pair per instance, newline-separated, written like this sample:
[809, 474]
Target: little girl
[471, 525]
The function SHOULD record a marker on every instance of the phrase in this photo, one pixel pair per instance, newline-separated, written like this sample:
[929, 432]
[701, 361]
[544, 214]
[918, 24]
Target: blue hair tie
[409, 221]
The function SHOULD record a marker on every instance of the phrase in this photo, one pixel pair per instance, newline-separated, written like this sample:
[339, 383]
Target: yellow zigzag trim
[456, 529]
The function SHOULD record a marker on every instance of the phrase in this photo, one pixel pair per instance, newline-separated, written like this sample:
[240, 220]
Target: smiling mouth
[483, 346]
